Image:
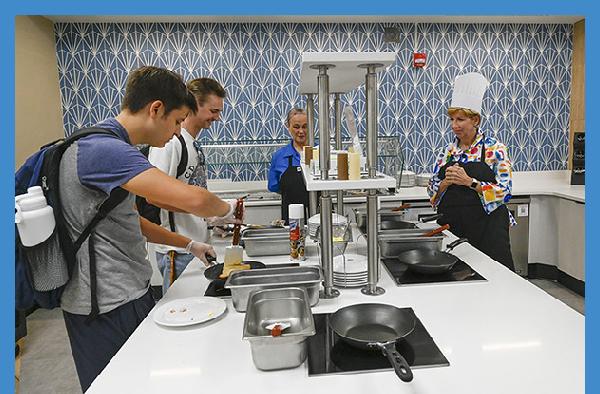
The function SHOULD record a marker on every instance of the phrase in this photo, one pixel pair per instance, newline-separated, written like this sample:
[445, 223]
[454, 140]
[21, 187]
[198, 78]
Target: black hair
[147, 84]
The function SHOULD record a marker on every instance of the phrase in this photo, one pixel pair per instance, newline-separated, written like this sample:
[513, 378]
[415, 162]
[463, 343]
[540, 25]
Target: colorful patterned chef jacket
[496, 156]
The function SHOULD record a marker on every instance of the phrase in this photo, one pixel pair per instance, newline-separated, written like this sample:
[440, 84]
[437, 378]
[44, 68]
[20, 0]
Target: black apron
[293, 190]
[464, 213]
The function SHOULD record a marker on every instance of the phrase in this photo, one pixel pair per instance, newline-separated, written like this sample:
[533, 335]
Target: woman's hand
[456, 175]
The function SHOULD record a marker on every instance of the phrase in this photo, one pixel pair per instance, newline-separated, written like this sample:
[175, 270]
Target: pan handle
[401, 207]
[400, 365]
[430, 218]
[454, 244]
[436, 231]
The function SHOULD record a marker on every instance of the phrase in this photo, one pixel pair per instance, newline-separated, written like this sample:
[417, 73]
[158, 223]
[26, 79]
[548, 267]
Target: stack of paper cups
[353, 165]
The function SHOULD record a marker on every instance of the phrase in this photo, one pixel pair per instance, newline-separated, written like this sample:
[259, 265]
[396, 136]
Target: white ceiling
[316, 18]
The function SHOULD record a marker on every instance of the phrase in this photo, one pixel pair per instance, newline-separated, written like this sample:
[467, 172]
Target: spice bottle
[296, 219]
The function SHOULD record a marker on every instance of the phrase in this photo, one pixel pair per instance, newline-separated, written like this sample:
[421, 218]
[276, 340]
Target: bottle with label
[296, 219]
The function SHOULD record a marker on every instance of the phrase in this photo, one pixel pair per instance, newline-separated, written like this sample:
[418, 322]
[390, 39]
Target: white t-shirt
[167, 159]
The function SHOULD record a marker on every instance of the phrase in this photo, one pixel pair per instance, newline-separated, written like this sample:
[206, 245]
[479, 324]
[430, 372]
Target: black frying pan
[376, 327]
[429, 261]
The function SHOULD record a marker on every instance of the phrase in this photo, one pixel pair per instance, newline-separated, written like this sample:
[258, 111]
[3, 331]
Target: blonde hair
[468, 112]
[293, 112]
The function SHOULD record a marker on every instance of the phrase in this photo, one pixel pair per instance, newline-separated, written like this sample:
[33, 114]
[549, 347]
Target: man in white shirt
[172, 261]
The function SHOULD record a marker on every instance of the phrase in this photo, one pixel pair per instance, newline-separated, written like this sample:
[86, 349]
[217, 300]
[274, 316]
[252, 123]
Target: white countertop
[501, 336]
[525, 183]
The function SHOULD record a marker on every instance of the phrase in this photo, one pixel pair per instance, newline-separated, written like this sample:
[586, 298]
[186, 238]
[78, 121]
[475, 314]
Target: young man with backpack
[155, 104]
[184, 152]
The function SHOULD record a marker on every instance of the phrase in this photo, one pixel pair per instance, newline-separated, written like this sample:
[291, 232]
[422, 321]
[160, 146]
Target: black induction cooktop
[460, 272]
[327, 354]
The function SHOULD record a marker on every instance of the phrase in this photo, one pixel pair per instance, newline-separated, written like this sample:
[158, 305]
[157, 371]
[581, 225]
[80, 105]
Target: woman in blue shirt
[285, 175]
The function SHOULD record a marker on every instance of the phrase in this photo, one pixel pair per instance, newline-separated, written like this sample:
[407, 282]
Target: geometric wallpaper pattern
[526, 105]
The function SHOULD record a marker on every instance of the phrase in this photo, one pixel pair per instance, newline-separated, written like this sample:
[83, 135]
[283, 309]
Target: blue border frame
[272, 7]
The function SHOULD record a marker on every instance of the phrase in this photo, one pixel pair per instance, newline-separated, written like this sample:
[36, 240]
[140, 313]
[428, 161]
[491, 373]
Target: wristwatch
[474, 183]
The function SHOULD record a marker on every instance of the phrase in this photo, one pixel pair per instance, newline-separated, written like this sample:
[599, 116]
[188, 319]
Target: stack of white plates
[315, 221]
[423, 179]
[350, 270]
[407, 179]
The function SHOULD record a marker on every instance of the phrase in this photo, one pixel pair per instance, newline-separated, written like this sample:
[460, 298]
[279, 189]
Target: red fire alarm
[419, 59]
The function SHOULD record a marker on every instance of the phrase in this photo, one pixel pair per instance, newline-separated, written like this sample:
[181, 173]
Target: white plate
[349, 284]
[349, 277]
[355, 264]
[188, 311]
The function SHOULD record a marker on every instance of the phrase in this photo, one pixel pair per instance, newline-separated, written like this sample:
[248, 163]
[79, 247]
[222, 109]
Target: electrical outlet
[391, 34]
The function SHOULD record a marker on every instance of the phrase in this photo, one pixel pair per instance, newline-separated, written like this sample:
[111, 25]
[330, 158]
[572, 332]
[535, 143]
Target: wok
[428, 261]
[376, 327]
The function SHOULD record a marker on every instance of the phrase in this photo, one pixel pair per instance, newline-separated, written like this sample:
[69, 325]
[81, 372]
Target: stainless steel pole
[371, 98]
[338, 146]
[372, 231]
[313, 202]
[325, 226]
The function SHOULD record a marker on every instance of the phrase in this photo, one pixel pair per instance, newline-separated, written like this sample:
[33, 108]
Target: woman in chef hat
[472, 178]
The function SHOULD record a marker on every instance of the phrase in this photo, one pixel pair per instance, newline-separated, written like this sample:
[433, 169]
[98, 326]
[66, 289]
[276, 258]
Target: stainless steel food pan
[394, 242]
[286, 305]
[242, 283]
[266, 242]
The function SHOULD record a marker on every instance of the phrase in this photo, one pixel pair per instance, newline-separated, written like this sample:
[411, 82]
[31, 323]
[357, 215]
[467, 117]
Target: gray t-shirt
[89, 170]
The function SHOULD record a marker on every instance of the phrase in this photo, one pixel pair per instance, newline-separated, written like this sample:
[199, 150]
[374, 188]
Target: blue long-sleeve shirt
[279, 163]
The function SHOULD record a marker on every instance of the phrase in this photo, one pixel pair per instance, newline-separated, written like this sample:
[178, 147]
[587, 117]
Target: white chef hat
[468, 91]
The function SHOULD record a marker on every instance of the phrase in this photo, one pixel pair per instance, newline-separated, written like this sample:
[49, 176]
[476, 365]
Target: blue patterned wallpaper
[526, 106]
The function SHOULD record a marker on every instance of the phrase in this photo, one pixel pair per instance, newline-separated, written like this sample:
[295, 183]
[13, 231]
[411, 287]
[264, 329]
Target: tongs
[239, 212]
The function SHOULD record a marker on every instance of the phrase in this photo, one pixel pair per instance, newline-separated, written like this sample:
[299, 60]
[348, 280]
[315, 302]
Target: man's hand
[201, 250]
[229, 218]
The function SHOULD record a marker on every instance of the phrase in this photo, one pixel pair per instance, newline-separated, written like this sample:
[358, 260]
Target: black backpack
[43, 270]
[152, 212]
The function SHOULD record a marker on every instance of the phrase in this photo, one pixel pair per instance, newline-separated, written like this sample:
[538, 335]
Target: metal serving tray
[266, 242]
[242, 283]
[394, 242]
[286, 305]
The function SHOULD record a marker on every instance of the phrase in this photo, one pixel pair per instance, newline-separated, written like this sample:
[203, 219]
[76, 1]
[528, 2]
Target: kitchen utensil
[430, 218]
[436, 231]
[216, 287]
[189, 311]
[286, 306]
[401, 207]
[351, 124]
[242, 283]
[266, 241]
[396, 225]
[394, 242]
[427, 261]
[214, 271]
[238, 214]
[376, 327]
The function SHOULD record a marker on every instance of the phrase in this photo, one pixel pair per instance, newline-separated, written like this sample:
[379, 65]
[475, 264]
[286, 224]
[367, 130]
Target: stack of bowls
[423, 179]
[338, 221]
[407, 179]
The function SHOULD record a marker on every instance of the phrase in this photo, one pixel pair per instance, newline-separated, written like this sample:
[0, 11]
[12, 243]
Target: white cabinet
[571, 238]
[557, 234]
